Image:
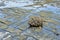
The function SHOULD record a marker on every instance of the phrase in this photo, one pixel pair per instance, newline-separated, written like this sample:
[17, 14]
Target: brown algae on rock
[36, 21]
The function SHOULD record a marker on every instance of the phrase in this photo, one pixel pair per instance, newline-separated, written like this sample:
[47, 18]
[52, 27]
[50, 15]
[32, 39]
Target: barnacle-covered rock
[36, 21]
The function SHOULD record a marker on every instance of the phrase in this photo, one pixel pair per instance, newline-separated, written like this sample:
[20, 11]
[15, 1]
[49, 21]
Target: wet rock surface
[36, 21]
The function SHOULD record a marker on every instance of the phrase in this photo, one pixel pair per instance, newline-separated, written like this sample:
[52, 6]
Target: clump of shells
[36, 21]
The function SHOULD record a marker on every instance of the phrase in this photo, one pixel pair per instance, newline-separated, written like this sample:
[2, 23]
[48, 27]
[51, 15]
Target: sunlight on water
[16, 18]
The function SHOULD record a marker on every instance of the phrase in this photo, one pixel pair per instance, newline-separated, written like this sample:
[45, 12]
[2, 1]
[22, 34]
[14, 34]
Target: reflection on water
[16, 20]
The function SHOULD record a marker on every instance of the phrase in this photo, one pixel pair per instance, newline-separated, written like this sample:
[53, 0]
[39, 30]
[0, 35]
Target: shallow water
[16, 23]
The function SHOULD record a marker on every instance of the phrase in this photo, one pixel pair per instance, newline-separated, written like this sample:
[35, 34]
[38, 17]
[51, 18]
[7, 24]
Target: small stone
[36, 21]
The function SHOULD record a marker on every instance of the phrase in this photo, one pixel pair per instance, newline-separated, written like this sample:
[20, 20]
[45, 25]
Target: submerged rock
[36, 21]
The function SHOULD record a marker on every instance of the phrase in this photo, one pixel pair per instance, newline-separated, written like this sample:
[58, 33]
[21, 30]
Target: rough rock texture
[36, 21]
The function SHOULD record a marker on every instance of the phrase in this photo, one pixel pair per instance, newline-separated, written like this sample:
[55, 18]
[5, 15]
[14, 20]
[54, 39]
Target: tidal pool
[16, 19]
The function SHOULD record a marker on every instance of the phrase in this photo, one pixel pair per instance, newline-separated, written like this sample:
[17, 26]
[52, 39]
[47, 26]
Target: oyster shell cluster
[36, 21]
